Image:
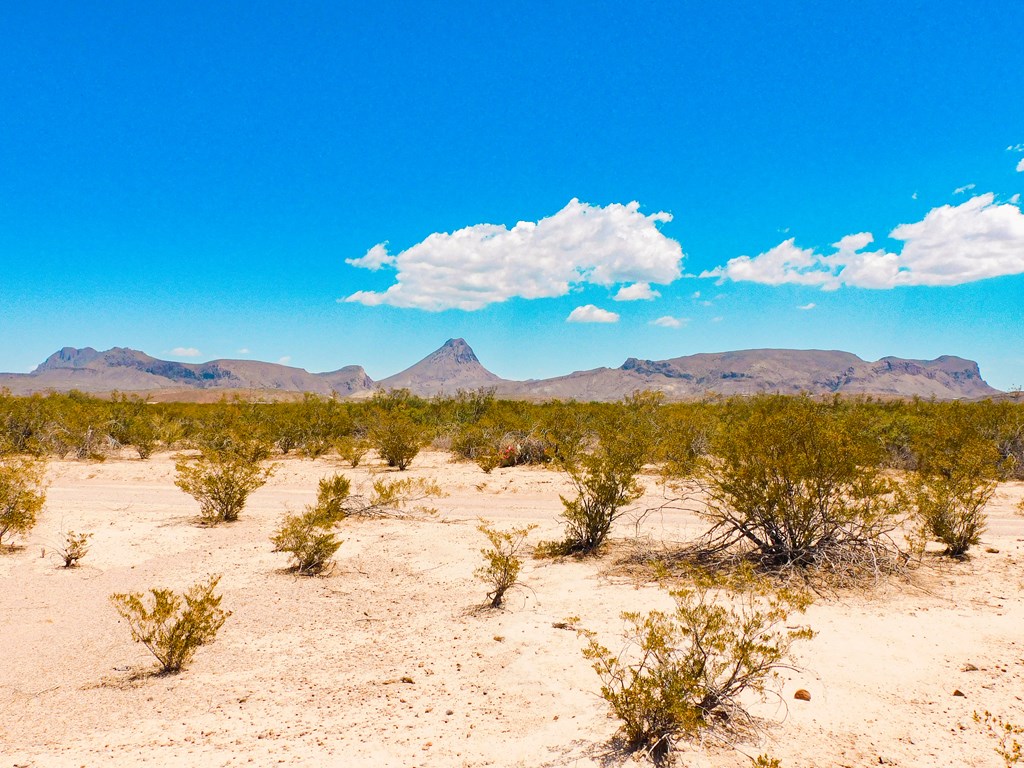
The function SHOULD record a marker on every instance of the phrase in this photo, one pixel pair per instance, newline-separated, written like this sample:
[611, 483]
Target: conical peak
[459, 350]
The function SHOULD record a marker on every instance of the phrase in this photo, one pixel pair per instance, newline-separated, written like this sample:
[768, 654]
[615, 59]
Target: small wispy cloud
[964, 189]
[914, 196]
[670, 322]
[1020, 166]
[808, 306]
[716, 319]
[244, 351]
[1015, 148]
[186, 352]
[696, 295]
[588, 313]
[284, 360]
[636, 292]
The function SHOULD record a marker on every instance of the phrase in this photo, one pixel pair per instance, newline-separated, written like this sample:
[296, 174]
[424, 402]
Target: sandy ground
[310, 671]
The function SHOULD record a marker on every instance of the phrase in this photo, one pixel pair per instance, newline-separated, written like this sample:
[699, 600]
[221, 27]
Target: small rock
[992, 550]
[958, 692]
[802, 694]
[969, 668]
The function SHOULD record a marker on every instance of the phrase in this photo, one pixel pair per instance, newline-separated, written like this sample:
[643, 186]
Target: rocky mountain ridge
[455, 366]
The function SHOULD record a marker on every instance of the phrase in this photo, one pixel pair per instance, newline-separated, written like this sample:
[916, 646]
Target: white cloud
[243, 351]
[488, 263]
[1020, 166]
[284, 360]
[186, 352]
[374, 259]
[1015, 199]
[1015, 148]
[670, 322]
[696, 295]
[808, 306]
[636, 292]
[963, 189]
[952, 245]
[591, 314]
[914, 196]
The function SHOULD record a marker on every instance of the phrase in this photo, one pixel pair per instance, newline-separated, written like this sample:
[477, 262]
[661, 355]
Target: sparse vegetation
[74, 547]
[1008, 746]
[21, 494]
[173, 626]
[221, 482]
[393, 431]
[501, 571]
[605, 477]
[309, 536]
[797, 484]
[686, 672]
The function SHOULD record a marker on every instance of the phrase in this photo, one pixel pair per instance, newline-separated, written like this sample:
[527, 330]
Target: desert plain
[390, 659]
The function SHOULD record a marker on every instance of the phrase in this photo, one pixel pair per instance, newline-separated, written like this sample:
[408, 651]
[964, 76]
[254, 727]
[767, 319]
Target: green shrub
[352, 448]
[687, 671]
[308, 538]
[173, 626]
[797, 483]
[21, 494]
[221, 482]
[501, 571]
[605, 478]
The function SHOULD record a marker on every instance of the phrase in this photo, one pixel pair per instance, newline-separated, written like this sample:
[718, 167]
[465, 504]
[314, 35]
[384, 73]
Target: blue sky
[195, 181]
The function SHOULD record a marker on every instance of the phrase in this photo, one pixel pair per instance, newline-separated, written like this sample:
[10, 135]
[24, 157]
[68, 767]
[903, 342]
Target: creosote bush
[393, 431]
[794, 483]
[501, 571]
[308, 536]
[173, 626]
[221, 482]
[1008, 746]
[605, 477]
[684, 672]
[21, 494]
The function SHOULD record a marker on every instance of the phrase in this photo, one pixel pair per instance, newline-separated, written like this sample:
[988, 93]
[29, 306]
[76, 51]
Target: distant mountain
[789, 371]
[455, 366]
[452, 367]
[128, 370]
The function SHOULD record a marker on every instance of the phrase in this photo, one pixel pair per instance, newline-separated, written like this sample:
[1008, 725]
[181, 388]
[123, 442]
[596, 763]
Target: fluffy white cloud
[670, 322]
[963, 189]
[636, 292]
[186, 352]
[588, 313]
[952, 245]
[807, 307]
[488, 263]
[374, 259]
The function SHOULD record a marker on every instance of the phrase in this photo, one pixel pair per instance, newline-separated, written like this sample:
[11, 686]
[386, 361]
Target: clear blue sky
[190, 179]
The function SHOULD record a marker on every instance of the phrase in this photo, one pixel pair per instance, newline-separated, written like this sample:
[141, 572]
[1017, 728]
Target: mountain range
[455, 366]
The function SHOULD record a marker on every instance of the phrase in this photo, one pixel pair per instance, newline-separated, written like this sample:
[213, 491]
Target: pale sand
[307, 671]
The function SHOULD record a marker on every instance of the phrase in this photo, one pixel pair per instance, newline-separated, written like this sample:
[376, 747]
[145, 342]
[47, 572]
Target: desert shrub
[1008, 746]
[685, 672]
[22, 494]
[352, 448]
[958, 465]
[501, 571]
[173, 626]
[130, 423]
[393, 431]
[389, 498]
[793, 483]
[221, 482]
[308, 537]
[605, 478]
[74, 547]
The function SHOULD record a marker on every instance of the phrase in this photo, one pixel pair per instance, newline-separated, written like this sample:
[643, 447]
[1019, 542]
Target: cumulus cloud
[963, 189]
[806, 307]
[374, 259]
[636, 292]
[186, 352]
[952, 245]
[485, 264]
[588, 313]
[670, 322]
